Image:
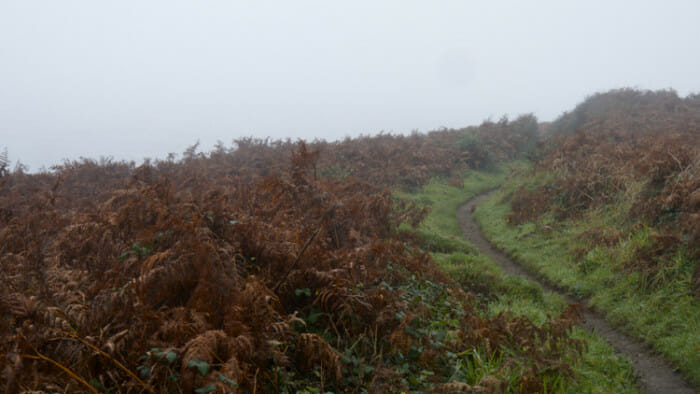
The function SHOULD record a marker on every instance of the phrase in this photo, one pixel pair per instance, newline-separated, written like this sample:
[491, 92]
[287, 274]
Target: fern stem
[65, 369]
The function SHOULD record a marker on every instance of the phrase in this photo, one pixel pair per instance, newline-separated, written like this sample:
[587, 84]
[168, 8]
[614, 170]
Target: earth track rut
[654, 373]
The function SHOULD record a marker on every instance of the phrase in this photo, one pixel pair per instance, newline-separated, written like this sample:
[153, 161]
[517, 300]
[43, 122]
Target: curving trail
[654, 373]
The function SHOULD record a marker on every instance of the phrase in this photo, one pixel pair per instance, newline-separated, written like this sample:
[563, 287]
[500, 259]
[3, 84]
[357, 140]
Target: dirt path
[655, 374]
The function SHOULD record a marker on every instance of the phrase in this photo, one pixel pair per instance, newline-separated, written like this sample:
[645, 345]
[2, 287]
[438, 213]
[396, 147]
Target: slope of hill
[239, 271]
[612, 213]
[280, 266]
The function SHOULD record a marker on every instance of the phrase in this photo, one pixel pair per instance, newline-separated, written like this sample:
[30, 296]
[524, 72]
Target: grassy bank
[594, 256]
[596, 369]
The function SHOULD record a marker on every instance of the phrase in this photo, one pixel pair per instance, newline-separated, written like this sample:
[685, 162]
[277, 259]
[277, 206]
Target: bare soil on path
[654, 373]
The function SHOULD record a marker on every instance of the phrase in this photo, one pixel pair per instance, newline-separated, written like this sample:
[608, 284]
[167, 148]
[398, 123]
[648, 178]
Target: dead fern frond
[143, 384]
[314, 350]
[68, 371]
[211, 347]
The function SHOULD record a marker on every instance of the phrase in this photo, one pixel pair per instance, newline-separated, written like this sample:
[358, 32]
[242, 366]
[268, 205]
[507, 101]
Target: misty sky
[133, 79]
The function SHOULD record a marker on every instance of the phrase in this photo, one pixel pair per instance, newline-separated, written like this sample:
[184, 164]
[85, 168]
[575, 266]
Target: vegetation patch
[341, 267]
[497, 295]
[609, 213]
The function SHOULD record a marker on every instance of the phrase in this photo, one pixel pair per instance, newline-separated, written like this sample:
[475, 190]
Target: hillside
[611, 212]
[281, 266]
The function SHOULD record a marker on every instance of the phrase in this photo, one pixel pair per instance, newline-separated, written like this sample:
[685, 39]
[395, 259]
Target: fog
[135, 79]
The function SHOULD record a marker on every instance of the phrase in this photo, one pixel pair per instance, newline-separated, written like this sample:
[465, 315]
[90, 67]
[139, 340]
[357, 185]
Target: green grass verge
[658, 309]
[440, 230]
[599, 369]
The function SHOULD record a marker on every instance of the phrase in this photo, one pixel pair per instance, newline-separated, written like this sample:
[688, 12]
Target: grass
[599, 369]
[440, 231]
[657, 308]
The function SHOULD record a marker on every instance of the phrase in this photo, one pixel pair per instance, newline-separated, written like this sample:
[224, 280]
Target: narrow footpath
[654, 373]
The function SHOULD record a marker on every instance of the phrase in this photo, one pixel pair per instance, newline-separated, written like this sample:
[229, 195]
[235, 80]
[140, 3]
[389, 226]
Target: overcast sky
[133, 79]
